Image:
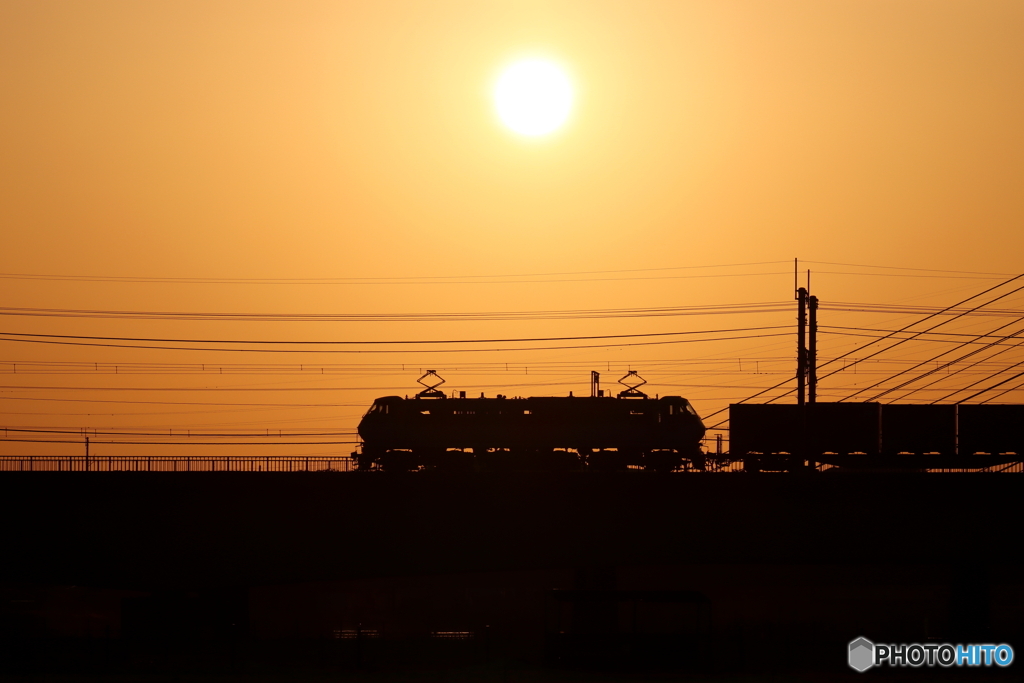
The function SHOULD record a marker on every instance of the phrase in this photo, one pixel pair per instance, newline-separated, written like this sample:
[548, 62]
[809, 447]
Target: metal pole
[812, 352]
[801, 377]
[801, 347]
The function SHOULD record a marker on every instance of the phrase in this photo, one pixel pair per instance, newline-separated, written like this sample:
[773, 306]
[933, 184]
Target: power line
[849, 307]
[1001, 296]
[365, 351]
[419, 283]
[571, 314]
[392, 342]
[183, 443]
[178, 403]
[981, 361]
[937, 368]
[974, 384]
[865, 346]
[1015, 388]
[974, 338]
[944, 277]
[20, 367]
[927, 270]
[256, 388]
[189, 280]
[100, 432]
[985, 391]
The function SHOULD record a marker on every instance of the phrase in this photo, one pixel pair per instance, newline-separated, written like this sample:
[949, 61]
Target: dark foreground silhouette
[513, 576]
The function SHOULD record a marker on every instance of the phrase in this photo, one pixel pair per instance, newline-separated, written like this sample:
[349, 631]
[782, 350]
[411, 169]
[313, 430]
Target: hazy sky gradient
[358, 140]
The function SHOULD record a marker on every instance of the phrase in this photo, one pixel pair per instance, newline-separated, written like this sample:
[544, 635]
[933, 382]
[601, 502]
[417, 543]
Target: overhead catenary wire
[1002, 393]
[972, 385]
[185, 442]
[715, 395]
[193, 280]
[390, 342]
[1001, 296]
[478, 279]
[568, 314]
[865, 346]
[19, 367]
[938, 367]
[930, 336]
[988, 389]
[967, 367]
[407, 282]
[164, 434]
[388, 351]
[901, 330]
[927, 270]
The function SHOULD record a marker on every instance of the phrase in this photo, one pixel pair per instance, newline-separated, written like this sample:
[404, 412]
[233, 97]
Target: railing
[171, 463]
[286, 463]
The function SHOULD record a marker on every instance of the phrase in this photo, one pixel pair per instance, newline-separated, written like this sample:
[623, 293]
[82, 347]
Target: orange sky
[340, 140]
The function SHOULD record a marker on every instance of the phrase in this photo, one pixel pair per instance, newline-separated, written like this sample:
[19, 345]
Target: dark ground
[316, 576]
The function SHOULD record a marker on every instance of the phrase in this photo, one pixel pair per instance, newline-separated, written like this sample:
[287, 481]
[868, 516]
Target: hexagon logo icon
[862, 654]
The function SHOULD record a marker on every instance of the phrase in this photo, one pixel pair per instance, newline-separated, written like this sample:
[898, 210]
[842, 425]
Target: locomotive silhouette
[597, 432]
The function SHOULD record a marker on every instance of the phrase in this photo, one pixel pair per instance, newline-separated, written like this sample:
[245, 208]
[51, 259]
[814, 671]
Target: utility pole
[801, 347]
[812, 352]
[86, 454]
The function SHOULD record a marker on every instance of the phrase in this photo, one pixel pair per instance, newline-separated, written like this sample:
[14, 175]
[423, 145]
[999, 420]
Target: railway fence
[171, 463]
[285, 463]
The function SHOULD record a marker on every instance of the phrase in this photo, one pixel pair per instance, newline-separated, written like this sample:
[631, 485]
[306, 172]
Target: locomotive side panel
[434, 426]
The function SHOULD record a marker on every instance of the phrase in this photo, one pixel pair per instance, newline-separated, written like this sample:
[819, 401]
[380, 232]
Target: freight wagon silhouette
[874, 435]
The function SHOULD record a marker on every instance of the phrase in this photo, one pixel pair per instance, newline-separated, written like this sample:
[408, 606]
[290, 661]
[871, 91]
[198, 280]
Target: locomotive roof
[500, 397]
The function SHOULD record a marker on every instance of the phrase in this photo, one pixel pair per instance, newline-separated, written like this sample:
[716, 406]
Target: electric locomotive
[597, 432]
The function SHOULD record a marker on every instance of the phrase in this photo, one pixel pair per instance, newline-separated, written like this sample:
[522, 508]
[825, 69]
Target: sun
[533, 97]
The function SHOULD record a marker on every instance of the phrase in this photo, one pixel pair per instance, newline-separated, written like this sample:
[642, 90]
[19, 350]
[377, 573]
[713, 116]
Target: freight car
[435, 431]
[874, 435]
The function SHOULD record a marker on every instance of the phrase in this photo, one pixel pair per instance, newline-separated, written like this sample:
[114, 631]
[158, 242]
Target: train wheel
[398, 461]
[453, 461]
[565, 461]
[606, 461]
[369, 457]
[493, 460]
[662, 460]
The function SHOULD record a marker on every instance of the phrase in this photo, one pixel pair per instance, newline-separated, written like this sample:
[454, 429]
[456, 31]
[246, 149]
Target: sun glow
[533, 97]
